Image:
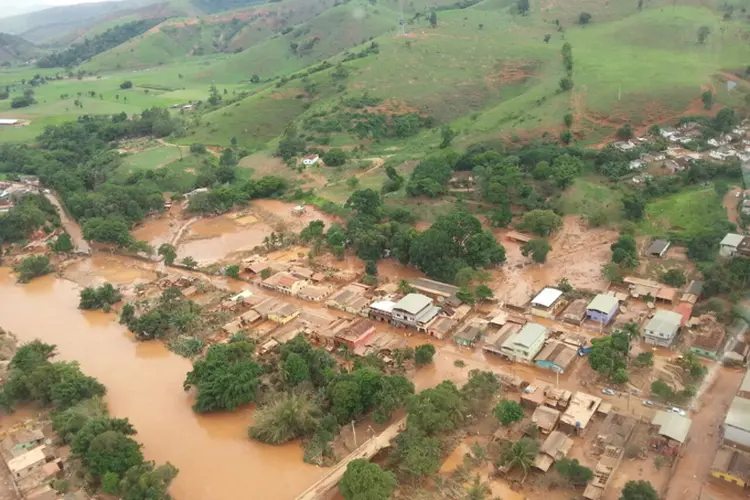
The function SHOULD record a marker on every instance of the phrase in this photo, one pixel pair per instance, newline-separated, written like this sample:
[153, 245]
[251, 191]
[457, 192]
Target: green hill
[16, 50]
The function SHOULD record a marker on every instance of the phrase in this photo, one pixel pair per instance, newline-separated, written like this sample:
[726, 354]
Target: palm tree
[520, 454]
[478, 490]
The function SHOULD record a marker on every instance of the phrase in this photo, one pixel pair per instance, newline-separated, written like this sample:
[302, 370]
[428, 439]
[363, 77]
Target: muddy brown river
[144, 382]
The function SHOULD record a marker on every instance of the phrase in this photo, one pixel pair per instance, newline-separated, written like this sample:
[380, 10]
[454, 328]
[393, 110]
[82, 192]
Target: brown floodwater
[144, 383]
[114, 269]
[211, 239]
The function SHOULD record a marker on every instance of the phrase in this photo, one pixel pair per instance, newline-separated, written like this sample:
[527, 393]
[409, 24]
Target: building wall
[650, 338]
[728, 478]
[703, 352]
[601, 317]
[735, 436]
[727, 251]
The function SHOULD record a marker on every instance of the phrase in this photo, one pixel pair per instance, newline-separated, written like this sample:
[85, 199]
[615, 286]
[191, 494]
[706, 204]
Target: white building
[311, 160]
[523, 346]
[728, 246]
[662, 329]
[547, 303]
[737, 423]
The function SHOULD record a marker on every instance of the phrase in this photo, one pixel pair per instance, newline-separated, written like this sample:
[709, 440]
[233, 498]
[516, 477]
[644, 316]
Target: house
[311, 160]
[523, 346]
[602, 308]
[351, 299]
[518, 237]
[737, 424]
[555, 447]
[256, 265]
[441, 326]
[575, 312]
[672, 427]
[494, 343]
[355, 333]
[20, 442]
[299, 210]
[661, 330]
[658, 248]
[8, 122]
[250, 317]
[277, 310]
[382, 310]
[28, 463]
[434, 289]
[732, 466]
[232, 327]
[581, 409]
[468, 334]
[414, 311]
[624, 146]
[314, 293]
[284, 282]
[708, 338]
[692, 292]
[547, 303]
[545, 418]
[556, 356]
[728, 246]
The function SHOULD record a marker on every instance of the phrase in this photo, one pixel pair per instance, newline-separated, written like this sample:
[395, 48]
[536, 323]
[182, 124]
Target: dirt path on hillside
[211, 149]
[376, 164]
[730, 205]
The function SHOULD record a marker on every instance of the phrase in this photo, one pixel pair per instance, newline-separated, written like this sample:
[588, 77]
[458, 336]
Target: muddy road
[72, 227]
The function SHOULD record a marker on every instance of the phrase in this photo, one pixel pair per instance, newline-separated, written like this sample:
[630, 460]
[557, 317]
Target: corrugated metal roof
[413, 303]
[672, 425]
[665, 322]
[529, 334]
[547, 297]
[603, 303]
[739, 414]
[732, 240]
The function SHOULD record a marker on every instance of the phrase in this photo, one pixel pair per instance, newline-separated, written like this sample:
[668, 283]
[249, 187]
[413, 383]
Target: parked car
[608, 391]
[648, 403]
[678, 411]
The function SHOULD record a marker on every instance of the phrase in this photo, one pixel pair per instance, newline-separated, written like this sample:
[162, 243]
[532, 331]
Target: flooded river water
[144, 383]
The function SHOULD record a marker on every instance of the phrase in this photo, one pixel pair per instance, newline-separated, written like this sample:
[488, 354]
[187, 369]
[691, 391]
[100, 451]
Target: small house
[441, 326]
[658, 248]
[20, 442]
[545, 418]
[673, 428]
[352, 299]
[382, 310]
[9, 122]
[355, 333]
[555, 447]
[661, 330]
[468, 334]
[435, 289]
[575, 312]
[27, 463]
[310, 160]
[581, 409]
[314, 293]
[523, 346]
[547, 303]
[602, 308]
[494, 342]
[556, 356]
[284, 282]
[414, 311]
[729, 244]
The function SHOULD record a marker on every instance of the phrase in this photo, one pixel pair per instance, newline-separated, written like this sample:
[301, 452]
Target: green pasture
[683, 214]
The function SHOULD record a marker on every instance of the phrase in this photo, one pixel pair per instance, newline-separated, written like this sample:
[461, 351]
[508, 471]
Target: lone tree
[708, 99]
[584, 18]
[364, 480]
[703, 33]
[433, 19]
[576, 474]
[638, 490]
[523, 6]
[168, 252]
[520, 454]
[423, 354]
[508, 412]
[538, 248]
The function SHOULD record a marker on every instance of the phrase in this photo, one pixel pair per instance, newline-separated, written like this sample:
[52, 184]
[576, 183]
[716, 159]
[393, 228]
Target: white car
[678, 411]
[608, 391]
[646, 402]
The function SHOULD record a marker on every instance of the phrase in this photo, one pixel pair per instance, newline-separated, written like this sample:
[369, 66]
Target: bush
[673, 277]
[197, 148]
[32, 267]
[127, 84]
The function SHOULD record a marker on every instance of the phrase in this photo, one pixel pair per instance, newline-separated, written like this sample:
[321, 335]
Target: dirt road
[691, 475]
[73, 229]
[730, 204]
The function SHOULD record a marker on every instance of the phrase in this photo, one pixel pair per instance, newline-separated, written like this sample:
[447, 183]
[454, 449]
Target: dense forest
[78, 53]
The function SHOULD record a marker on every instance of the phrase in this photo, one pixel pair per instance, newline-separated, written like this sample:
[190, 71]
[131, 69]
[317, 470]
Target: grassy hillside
[16, 50]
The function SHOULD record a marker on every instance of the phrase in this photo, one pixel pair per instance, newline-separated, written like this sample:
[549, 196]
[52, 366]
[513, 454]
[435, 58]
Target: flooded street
[144, 383]
[73, 229]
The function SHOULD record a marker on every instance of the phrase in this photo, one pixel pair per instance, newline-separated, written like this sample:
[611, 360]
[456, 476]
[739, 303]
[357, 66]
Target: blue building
[602, 309]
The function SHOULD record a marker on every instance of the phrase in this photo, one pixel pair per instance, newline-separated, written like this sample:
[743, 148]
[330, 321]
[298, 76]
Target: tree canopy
[364, 480]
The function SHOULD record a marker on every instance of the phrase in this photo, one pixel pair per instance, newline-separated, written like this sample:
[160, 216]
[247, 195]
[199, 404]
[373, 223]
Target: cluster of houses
[32, 463]
[677, 157]
[9, 191]
[732, 461]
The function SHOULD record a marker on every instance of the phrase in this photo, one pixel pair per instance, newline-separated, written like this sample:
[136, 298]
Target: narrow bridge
[368, 450]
